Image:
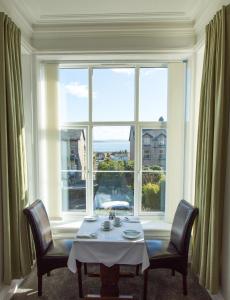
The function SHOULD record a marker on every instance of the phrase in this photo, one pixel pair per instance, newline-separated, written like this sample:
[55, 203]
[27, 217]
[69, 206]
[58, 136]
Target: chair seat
[59, 248]
[158, 249]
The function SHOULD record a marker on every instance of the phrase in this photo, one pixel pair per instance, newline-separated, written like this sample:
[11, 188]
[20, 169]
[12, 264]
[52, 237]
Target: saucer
[131, 234]
[106, 228]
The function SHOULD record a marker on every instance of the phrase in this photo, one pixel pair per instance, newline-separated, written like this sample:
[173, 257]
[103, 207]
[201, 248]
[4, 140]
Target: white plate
[131, 234]
[90, 219]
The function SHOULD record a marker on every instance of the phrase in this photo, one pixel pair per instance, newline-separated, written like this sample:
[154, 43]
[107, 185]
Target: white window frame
[137, 124]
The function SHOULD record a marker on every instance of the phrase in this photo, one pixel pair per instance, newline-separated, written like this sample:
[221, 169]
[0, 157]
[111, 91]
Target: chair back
[182, 226]
[39, 222]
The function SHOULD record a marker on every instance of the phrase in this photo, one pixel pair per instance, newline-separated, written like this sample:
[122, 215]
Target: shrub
[151, 196]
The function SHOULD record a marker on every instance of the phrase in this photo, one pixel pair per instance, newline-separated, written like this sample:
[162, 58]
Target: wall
[194, 76]
[29, 119]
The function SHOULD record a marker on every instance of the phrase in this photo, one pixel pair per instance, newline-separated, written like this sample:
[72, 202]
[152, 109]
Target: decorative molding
[29, 14]
[113, 18]
[26, 47]
[123, 35]
[205, 14]
[188, 25]
[114, 30]
[18, 18]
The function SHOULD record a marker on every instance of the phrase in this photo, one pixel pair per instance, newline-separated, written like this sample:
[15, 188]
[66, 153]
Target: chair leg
[39, 285]
[79, 278]
[173, 272]
[145, 284]
[137, 270]
[85, 269]
[185, 284]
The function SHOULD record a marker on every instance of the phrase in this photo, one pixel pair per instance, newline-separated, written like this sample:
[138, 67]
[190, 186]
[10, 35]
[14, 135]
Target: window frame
[138, 125]
[87, 63]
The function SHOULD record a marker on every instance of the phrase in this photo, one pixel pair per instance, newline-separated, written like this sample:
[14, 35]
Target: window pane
[153, 191]
[73, 190]
[73, 95]
[73, 149]
[153, 94]
[113, 94]
[113, 148]
[154, 143]
[114, 191]
[73, 162]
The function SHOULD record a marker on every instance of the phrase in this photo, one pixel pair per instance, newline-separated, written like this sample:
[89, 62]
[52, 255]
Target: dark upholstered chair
[173, 254]
[51, 254]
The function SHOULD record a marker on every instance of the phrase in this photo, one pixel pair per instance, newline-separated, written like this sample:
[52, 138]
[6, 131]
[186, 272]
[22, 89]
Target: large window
[107, 155]
[112, 139]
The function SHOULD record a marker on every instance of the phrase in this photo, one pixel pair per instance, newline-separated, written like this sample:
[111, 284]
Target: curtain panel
[17, 255]
[211, 151]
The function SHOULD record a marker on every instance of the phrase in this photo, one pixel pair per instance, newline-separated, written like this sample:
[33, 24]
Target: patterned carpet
[62, 284]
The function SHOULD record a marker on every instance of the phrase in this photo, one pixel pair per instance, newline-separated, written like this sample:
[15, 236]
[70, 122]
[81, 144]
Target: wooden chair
[173, 254]
[50, 254]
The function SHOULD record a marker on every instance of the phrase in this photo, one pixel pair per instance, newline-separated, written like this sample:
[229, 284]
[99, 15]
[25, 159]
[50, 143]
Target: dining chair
[173, 254]
[50, 253]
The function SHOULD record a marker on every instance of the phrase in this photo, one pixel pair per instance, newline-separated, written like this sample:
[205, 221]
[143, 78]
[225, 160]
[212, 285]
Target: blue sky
[113, 97]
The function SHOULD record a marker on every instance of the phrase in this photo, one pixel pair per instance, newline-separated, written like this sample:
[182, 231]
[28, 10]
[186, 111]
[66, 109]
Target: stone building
[154, 143]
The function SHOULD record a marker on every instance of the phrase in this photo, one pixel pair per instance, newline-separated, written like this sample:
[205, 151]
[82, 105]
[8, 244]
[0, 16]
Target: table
[109, 249]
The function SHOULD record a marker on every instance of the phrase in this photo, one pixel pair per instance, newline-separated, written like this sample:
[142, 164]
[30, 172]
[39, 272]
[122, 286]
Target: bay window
[113, 131]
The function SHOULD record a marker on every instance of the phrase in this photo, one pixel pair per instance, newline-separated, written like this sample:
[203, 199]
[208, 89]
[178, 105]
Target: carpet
[62, 284]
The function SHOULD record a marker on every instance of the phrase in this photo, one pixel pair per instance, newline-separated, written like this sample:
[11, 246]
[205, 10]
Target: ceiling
[74, 24]
[50, 8]
[48, 11]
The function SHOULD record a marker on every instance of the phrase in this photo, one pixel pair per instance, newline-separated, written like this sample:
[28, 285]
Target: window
[146, 140]
[147, 155]
[73, 169]
[114, 142]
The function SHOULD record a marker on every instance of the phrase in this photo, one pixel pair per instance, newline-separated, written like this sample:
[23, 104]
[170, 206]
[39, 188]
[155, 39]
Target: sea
[111, 146]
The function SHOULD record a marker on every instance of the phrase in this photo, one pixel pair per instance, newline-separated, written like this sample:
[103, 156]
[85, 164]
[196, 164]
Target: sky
[112, 97]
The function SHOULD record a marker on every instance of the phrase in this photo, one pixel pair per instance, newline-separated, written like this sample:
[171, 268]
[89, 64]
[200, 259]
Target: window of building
[146, 155]
[101, 120]
[146, 140]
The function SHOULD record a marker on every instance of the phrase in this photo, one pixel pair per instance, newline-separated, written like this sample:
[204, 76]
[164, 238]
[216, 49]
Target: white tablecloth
[110, 247]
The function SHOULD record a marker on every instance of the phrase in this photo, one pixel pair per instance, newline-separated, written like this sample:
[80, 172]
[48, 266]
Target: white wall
[194, 76]
[29, 120]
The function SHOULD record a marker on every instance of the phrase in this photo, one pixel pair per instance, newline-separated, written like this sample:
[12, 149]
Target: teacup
[117, 221]
[106, 224]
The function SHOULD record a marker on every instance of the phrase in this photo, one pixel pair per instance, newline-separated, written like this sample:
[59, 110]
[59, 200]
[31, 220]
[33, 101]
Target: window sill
[68, 229]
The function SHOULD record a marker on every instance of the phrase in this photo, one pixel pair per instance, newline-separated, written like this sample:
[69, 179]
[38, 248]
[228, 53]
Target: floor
[62, 284]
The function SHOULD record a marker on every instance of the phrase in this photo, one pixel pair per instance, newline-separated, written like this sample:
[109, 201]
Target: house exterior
[73, 149]
[154, 143]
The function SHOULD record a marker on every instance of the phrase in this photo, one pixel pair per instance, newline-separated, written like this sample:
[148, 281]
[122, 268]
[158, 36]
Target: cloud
[127, 71]
[77, 89]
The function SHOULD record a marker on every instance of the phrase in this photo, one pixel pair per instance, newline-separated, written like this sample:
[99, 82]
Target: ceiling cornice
[112, 18]
[18, 18]
[66, 26]
[118, 29]
[203, 16]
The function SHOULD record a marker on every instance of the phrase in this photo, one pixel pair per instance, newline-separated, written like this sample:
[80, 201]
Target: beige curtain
[211, 151]
[17, 257]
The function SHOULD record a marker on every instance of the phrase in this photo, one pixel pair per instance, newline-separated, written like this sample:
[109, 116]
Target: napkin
[87, 236]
